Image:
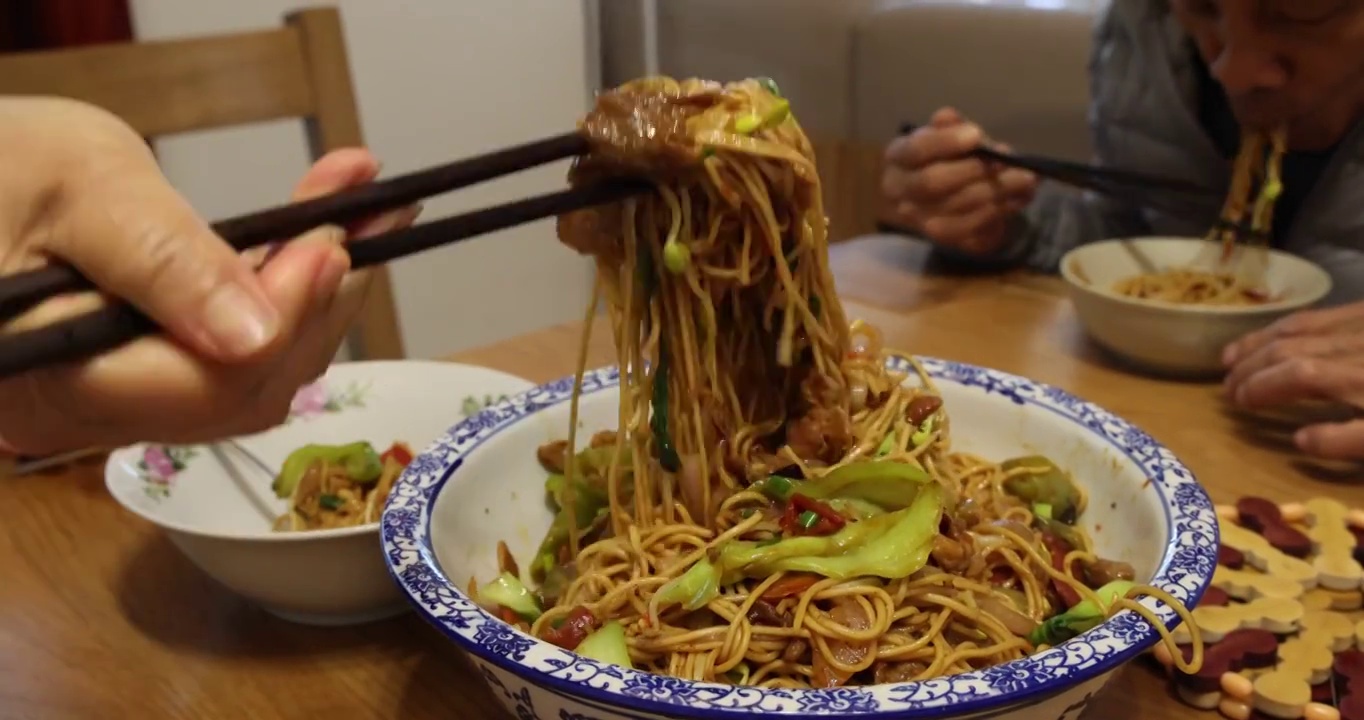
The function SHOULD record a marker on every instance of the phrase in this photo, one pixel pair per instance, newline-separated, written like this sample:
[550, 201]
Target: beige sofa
[856, 69]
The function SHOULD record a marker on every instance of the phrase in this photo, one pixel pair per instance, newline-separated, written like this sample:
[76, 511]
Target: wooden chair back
[299, 70]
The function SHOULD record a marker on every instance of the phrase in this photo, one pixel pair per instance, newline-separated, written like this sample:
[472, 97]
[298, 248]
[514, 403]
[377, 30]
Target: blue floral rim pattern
[1185, 571]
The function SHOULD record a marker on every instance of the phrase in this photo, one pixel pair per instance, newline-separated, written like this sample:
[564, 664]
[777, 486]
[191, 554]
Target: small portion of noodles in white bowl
[1171, 305]
[299, 535]
[474, 506]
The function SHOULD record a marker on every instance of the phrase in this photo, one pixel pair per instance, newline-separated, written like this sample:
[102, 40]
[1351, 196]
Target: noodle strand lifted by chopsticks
[776, 507]
[1257, 164]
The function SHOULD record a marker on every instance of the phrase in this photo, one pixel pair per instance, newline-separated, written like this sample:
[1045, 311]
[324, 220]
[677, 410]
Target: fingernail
[1229, 355]
[969, 135]
[403, 218]
[238, 322]
[1302, 438]
[335, 234]
[1017, 177]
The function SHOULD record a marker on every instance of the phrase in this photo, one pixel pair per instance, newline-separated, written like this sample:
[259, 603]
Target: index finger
[1308, 322]
[929, 145]
[1301, 379]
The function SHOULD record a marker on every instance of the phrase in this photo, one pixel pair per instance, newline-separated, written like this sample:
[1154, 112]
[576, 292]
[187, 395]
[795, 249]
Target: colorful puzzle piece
[1284, 638]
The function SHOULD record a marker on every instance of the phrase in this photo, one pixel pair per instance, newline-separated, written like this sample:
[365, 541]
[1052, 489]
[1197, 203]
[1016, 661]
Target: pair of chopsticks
[1172, 195]
[29, 464]
[107, 328]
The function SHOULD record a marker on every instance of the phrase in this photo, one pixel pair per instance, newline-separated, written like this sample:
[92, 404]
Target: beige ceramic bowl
[1170, 339]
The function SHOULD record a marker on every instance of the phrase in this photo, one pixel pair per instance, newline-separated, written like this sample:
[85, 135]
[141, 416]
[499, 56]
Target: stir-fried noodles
[1186, 286]
[778, 508]
[1256, 168]
[336, 486]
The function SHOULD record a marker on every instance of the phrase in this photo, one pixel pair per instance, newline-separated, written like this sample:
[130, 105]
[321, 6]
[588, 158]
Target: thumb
[135, 237]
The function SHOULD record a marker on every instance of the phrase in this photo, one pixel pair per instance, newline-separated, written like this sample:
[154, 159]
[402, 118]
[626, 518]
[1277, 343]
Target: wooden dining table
[101, 617]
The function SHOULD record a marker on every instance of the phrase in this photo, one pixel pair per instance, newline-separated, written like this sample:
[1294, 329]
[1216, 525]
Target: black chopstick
[22, 290]
[1123, 184]
[112, 326]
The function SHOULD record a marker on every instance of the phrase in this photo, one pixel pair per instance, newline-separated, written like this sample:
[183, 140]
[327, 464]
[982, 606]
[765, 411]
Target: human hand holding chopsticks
[938, 189]
[79, 186]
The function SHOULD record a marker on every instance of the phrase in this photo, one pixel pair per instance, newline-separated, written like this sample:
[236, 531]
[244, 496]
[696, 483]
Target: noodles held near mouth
[1256, 170]
[776, 508]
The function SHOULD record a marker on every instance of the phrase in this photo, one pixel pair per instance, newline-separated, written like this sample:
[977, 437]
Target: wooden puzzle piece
[1339, 600]
[1250, 585]
[1277, 615]
[1282, 570]
[1303, 661]
[1299, 660]
[1333, 544]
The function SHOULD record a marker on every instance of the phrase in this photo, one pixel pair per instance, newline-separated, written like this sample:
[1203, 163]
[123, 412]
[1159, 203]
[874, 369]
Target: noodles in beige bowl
[1180, 338]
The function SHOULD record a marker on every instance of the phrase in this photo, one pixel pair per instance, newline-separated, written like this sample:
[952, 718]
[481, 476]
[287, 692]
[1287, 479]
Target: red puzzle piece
[1348, 674]
[1215, 596]
[1240, 649]
[1264, 517]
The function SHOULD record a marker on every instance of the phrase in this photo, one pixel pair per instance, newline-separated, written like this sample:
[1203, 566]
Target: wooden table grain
[100, 617]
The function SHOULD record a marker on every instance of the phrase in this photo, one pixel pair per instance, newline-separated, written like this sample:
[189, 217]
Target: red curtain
[48, 24]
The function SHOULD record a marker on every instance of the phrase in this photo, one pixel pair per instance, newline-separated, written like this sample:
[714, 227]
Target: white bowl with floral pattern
[481, 483]
[217, 507]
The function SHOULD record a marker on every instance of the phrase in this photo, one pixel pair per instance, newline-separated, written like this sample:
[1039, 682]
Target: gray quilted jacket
[1143, 115]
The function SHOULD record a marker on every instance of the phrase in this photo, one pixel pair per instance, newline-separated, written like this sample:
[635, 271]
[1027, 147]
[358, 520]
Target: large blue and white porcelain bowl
[481, 483]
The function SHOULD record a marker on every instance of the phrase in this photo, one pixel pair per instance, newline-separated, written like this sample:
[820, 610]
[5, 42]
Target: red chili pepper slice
[1059, 549]
[829, 519]
[790, 586]
[398, 452]
[576, 626]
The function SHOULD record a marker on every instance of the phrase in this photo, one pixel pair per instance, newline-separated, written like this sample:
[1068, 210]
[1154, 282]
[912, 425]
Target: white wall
[436, 80]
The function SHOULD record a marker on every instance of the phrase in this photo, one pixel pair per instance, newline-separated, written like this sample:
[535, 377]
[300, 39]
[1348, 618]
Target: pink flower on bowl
[317, 399]
[310, 400]
[159, 465]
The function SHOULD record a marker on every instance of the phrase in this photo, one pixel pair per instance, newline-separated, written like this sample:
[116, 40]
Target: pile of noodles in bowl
[482, 484]
[1171, 305]
[761, 508]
